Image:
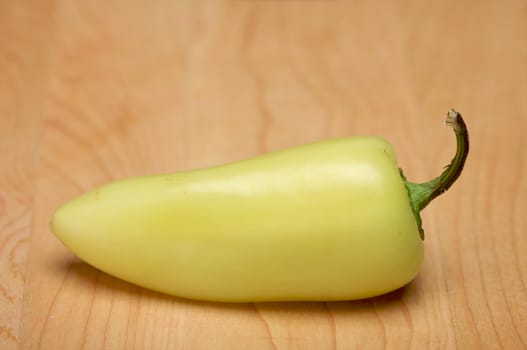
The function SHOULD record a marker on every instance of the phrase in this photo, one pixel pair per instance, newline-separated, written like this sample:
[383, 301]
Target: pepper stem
[423, 193]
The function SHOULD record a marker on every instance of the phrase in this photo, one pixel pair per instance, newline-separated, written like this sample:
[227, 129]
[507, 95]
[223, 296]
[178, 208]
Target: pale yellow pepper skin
[325, 221]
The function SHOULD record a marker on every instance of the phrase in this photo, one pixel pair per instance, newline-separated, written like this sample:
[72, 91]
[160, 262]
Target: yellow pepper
[332, 220]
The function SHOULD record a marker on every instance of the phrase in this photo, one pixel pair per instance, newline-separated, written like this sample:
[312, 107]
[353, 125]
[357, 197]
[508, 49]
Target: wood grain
[24, 61]
[92, 91]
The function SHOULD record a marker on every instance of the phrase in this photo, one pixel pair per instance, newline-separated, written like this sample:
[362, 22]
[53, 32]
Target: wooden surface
[94, 91]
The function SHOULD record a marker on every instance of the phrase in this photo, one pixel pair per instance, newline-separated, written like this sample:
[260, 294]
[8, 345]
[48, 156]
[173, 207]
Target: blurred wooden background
[93, 91]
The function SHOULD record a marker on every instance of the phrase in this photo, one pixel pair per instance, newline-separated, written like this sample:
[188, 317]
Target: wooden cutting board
[95, 91]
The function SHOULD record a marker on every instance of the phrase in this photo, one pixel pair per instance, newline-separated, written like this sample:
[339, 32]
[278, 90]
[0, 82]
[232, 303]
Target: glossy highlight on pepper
[331, 220]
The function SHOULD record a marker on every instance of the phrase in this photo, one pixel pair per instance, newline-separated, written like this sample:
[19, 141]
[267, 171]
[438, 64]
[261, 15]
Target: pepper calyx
[421, 194]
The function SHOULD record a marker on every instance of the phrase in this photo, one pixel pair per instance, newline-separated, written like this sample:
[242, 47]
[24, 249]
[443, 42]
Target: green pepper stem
[423, 193]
